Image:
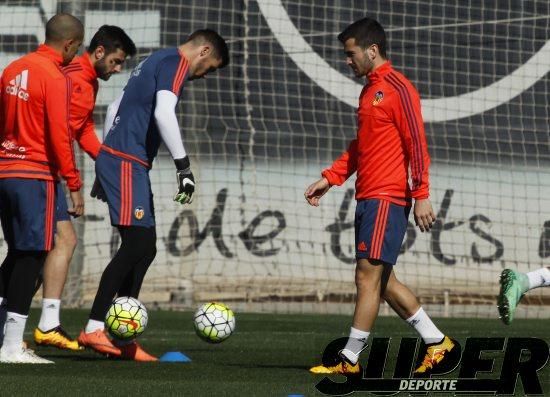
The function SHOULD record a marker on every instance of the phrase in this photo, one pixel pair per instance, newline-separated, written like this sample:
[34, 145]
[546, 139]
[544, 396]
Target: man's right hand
[316, 190]
[78, 204]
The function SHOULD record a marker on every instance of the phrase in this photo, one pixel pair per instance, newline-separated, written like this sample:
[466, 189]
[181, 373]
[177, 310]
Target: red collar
[381, 71]
[50, 53]
[89, 70]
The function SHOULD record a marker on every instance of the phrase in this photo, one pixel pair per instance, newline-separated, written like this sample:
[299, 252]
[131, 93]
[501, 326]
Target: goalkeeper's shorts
[127, 189]
[380, 227]
[27, 213]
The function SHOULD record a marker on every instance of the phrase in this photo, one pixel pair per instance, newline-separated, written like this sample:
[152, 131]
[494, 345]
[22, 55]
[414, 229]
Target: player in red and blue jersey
[35, 147]
[390, 142]
[108, 50]
[137, 122]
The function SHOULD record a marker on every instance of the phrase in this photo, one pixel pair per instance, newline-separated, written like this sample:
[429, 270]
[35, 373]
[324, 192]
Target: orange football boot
[99, 342]
[133, 351]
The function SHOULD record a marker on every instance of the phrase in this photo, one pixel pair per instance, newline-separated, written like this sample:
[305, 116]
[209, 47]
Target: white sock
[49, 318]
[357, 342]
[94, 325]
[3, 314]
[15, 327]
[425, 327]
[539, 278]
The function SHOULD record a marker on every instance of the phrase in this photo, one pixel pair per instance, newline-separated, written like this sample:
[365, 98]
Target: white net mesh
[261, 130]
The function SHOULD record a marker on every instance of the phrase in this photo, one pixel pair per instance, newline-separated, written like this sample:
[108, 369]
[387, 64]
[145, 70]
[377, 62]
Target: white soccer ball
[126, 318]
[214, 322]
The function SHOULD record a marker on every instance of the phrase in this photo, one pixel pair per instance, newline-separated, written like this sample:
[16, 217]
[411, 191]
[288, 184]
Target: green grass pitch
[268, 355]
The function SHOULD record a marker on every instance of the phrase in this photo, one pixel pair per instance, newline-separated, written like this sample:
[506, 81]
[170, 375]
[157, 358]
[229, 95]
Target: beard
[102, 70]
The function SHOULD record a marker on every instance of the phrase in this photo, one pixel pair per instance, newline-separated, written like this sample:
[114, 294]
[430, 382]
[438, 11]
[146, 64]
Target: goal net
[261, 130]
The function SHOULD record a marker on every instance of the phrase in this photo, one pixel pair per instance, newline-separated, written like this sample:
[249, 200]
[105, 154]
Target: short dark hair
[63, 26]
[366, 32]
[212, 37]
[112, 38]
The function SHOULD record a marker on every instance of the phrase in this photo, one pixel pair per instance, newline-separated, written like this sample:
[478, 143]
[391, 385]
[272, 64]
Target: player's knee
[152, 239]
[150, 251]
[150, 245]
[366, 280]
[360, 278]
[386, 294]
[391, 290]
[66, 238]
[153, 251]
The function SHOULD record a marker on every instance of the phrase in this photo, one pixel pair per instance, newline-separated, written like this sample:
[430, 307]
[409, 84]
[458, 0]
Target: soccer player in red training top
[107, 52]
[390, 140]
[142, 117]
[35, 146]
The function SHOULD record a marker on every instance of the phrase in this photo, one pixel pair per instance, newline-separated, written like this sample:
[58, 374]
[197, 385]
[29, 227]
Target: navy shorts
[380, 227]
[61, 208]
[27, 213]
[127, 189]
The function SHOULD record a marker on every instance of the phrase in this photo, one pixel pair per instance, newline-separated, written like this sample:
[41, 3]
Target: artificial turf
[269, 355]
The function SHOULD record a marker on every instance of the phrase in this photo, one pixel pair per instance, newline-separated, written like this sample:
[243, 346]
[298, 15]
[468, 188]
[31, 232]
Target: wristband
[182, 164]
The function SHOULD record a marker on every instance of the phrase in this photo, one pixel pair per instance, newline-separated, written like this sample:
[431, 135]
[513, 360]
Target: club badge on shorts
[378, 98]
[139, 212]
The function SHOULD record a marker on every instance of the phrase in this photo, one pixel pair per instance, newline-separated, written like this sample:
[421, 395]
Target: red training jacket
[390, 141]
[83, 97]
[35, 136]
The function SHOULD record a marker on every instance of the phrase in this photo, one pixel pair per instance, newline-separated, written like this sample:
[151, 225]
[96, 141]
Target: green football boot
[512, 287]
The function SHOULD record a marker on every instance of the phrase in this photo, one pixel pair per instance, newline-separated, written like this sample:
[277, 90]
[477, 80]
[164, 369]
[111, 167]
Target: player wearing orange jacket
[390, 141]
[36, 141]
[109, 48]
[390, 137]
[36, 145]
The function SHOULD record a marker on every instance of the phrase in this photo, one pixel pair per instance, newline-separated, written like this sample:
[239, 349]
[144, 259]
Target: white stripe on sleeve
[167, 123]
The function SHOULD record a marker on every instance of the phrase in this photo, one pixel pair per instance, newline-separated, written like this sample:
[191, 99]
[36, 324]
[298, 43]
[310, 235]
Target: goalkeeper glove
[186, 181]
[98, 192]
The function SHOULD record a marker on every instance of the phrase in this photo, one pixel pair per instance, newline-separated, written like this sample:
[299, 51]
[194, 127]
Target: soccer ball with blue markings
[126, 318]
[214, 322]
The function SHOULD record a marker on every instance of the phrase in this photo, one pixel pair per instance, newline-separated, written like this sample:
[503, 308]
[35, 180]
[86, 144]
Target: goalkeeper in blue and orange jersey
[142, 117]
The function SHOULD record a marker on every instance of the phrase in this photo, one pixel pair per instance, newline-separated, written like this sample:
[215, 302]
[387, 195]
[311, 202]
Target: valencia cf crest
[378, 98]
[139, 212]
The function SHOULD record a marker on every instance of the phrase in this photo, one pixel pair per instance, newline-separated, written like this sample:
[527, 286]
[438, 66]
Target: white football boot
[23, 356]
